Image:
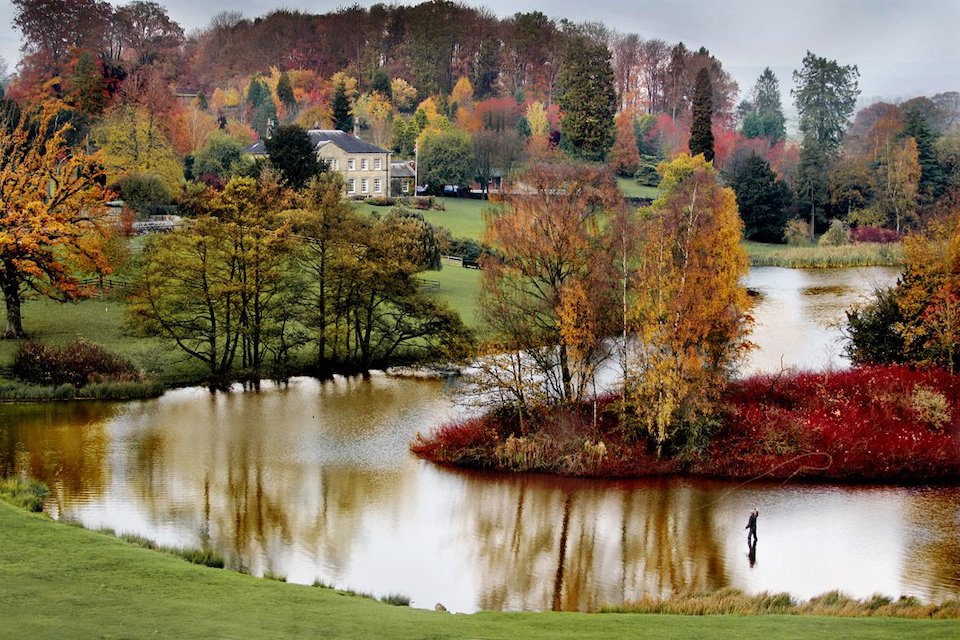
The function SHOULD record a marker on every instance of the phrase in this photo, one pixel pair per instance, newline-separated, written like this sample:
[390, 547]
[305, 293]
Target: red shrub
[875, 234]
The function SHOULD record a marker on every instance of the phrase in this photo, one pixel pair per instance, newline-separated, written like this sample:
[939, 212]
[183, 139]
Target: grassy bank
[878, 424]
[817, 257]
[62, 581]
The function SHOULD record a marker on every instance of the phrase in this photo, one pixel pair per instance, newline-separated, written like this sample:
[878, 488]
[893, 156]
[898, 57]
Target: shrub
[380, 201]
[26, 494]
[875, 235]
[146, 194]
[932, 407]
[796, 233]
[78, 364]
[836, 235]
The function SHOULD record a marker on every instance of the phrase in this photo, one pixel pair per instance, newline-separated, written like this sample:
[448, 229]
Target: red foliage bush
[875, 234]
[78, 364]
[875, 424]
[890, 423]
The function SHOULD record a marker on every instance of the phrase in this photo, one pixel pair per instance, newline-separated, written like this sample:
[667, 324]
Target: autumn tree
[218, 286]
[625, 156]
[144, 33]
[701, 129]
[916, 321]
[52, 225]
[51, 28]
[132, 141]
[587, 100]
[550, 297]
[687, 341]
[898, 182]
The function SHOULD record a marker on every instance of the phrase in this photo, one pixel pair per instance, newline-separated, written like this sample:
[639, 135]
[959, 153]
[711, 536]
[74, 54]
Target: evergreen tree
[701, 129]
[587, 99]
[285, 93]
[932, 178]
[342, 111]
[292, 153]
[825, 96]
[263, 111]
[813, 191]
[763, 199]
[381, 84]
[763, 115]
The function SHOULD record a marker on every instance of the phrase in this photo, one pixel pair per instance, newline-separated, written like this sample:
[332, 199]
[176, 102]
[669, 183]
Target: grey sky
[902, 48]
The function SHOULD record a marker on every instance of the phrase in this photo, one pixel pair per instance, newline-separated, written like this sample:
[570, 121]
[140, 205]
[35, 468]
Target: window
[363, 164]
[377, 164]
[405, 186]
[351, 164]
[364, 186]
[376, 185]
[351, 186]
[334, 164]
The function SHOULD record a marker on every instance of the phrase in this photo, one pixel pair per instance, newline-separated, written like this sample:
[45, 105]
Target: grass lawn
[102, 322]
[463, 216]
[61, 581]
[458, 288]
[631, 189]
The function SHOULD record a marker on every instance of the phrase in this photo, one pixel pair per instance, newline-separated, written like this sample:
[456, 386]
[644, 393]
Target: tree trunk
[11, 296]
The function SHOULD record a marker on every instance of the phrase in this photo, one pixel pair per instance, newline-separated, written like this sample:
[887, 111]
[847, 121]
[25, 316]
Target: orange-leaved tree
[52, 214]
[688, 307]
[551, 294]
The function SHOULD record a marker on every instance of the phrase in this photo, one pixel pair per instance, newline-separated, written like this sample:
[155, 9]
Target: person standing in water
[752, 527]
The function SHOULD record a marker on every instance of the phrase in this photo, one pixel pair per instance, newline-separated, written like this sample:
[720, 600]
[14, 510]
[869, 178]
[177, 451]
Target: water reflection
[801, 311]
[314, 482]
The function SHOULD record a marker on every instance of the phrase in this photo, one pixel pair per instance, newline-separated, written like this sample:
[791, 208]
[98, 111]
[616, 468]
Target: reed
[731, 601]
[825, 257]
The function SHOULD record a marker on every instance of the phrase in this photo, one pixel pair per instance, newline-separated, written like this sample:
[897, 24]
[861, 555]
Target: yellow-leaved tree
[688, 311]
[52, 215]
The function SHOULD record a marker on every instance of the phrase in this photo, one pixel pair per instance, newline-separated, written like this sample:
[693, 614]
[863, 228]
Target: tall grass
[24, 493]
[824, 257]
[205, 556]
[13, 391]
[731, 601]
[396, 599]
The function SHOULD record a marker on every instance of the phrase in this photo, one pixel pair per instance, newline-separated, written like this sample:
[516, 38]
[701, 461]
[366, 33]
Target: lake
[313, 482]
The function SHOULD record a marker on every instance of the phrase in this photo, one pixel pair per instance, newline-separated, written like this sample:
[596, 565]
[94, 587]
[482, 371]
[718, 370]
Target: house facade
[365, 167]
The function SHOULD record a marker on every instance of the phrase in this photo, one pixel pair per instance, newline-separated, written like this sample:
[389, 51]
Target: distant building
[403, 176]
[365, 167]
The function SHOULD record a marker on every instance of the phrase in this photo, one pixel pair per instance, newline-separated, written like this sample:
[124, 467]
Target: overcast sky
[903, 48]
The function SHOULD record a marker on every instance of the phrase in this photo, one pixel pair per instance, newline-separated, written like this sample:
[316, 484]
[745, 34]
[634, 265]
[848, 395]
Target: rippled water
[314, 482]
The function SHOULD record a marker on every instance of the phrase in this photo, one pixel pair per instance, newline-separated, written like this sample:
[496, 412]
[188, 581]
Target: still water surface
[314, 482]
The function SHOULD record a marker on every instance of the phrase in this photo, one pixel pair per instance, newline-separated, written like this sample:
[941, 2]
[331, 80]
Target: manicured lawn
[458, 288]
[462, 216]
[61, 581]
[100, 321]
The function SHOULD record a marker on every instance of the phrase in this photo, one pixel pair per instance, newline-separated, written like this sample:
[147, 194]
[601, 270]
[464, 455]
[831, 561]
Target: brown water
[314, 482]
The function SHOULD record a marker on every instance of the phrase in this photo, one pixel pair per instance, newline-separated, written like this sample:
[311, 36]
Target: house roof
[321, 137]
[402, 170]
